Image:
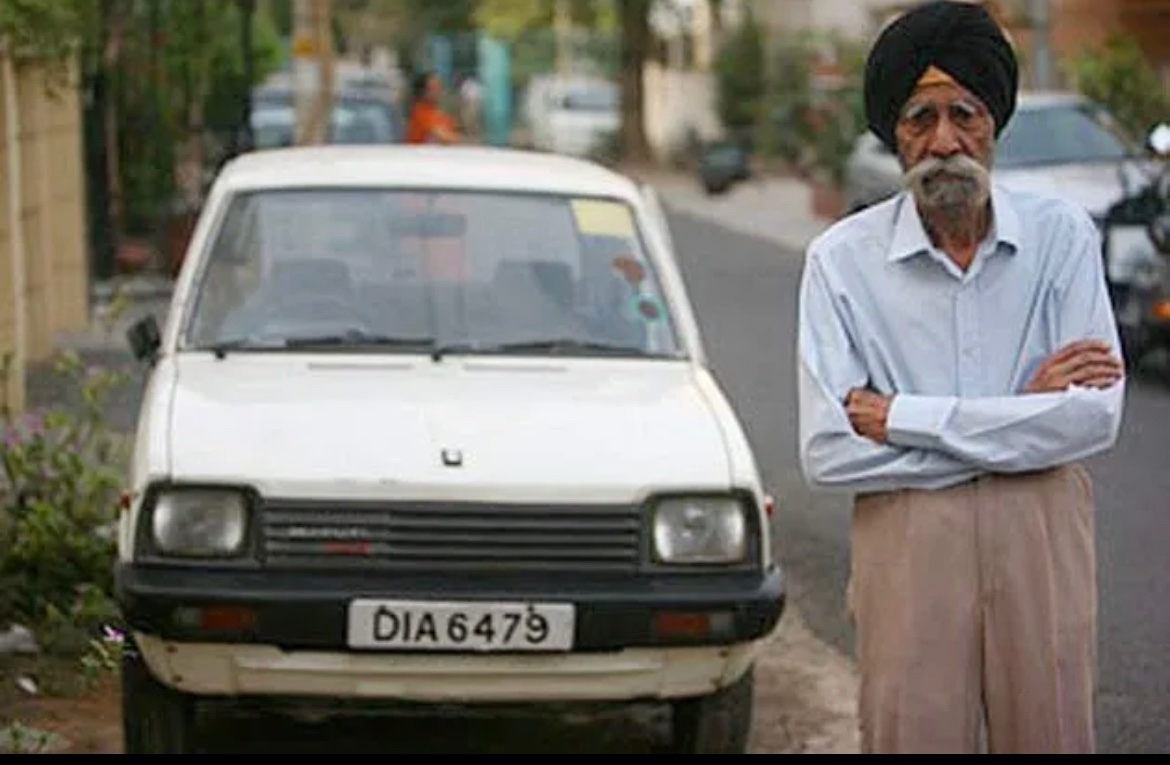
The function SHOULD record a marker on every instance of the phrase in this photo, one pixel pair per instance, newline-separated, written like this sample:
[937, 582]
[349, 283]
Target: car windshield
[591, 99]
[1061, 134]
[429, 272]
[353, 121]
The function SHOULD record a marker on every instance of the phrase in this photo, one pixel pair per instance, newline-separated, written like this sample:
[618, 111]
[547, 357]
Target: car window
[357, 121]
[1060, 135]
[481, 271]
[591, 99]
[353, 121]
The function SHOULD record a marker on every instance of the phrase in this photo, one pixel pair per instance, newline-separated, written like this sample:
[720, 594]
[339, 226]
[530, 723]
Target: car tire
[1134, 337]
[1134, 346]
[155, 719]
[716, 188]
[720, 723]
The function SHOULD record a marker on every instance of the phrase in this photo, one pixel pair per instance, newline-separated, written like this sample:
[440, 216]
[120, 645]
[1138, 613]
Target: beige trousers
[977, 605]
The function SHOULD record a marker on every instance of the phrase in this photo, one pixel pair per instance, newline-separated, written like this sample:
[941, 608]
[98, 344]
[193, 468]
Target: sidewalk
[776, 208]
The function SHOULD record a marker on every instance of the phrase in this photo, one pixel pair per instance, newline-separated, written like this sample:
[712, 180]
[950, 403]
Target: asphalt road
[745, 291]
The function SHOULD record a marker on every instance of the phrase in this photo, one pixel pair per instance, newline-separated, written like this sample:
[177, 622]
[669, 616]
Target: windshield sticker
[596, 217]
[633, 271]
[649, 309]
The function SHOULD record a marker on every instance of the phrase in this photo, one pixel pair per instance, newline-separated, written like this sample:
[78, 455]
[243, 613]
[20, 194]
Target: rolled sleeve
[917, 420]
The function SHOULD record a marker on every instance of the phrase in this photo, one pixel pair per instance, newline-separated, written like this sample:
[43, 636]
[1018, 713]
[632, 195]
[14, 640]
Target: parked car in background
[360, 116]
[1058, 143]
[722, 164]
[571, 115]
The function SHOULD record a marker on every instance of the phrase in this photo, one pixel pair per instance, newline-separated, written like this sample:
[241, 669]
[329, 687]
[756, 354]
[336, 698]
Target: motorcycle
[1137, 256]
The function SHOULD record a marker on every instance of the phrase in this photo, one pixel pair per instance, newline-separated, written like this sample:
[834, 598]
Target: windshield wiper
[221, 348]
[359, 339]
[351, 339]
[569, 345]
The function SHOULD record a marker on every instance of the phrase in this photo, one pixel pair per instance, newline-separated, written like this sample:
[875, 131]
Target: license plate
[454, 626]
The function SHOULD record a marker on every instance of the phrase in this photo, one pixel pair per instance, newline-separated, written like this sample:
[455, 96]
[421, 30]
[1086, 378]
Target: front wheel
[155, 719]
[720, 723]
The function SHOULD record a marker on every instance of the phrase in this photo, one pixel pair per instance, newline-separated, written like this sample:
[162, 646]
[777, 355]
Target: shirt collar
[910, 234]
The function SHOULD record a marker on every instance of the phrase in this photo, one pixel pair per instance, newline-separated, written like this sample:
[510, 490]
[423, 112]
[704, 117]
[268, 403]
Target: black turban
[960, 38]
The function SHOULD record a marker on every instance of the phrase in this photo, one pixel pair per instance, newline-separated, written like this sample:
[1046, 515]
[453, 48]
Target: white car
[573, 115]
[435, 425]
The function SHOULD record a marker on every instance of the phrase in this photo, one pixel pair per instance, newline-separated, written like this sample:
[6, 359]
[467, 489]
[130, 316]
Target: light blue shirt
[880, 307]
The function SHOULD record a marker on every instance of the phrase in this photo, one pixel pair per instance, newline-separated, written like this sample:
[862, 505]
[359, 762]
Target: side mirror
[144, 338]
[1159, 139]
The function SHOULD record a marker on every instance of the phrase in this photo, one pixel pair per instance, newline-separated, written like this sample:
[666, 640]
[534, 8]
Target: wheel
[720, 723]
[155, 719]
[716, 188]
[1134, 336]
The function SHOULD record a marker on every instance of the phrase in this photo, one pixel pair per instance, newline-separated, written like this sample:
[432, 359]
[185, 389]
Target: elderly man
[958, 359]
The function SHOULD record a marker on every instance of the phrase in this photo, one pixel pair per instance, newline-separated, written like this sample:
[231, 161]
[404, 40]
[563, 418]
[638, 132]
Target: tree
[741, 76]
[509, 19]
[400, 22]
[47, 30]
[1118, 75]
[634, 16]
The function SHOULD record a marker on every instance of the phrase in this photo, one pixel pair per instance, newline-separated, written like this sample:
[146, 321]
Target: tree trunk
[110, 57]
[635, 24]
[715, 7]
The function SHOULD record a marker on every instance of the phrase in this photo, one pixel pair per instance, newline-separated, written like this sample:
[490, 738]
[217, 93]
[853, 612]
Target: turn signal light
[684, 624]
[217, 618]
[1162, 310]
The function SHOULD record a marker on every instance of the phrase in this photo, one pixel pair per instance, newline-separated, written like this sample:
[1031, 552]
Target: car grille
[452, 537]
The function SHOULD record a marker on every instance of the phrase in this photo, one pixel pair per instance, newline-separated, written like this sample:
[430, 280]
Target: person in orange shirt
[428, 122]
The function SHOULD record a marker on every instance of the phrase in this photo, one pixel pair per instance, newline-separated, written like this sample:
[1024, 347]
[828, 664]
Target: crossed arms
[856, 439]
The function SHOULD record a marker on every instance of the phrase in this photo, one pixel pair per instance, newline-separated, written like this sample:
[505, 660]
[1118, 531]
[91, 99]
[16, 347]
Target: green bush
[741, 78]
[1118, 76]
[61, 475]
[838, 115]
[786, 132]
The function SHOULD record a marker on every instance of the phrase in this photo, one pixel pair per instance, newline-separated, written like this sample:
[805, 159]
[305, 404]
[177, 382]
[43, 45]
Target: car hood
[594, 430]
[1095, 186]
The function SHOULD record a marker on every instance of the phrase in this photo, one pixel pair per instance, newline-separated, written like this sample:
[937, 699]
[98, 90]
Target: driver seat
[289, 282]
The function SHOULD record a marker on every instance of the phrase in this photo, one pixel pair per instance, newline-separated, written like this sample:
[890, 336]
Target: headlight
[200, 522]
[700, 530]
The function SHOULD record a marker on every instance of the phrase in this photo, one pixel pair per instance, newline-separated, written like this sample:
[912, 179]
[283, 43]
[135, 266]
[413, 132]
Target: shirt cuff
[917, 421]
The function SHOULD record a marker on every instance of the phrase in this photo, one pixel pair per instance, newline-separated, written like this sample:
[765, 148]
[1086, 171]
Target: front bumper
[309, 611]
[295, 644]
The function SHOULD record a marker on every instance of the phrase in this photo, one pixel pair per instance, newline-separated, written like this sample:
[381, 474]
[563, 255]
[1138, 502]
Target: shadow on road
[636, 733]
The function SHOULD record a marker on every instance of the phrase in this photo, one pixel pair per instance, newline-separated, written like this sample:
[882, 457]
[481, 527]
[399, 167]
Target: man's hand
[1087, 363]
[868, 413]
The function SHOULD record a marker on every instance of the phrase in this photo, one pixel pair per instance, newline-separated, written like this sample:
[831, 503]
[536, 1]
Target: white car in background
[436, 426]
[572, 115]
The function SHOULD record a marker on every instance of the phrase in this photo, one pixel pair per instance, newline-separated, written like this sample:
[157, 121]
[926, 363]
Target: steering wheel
[316, 310]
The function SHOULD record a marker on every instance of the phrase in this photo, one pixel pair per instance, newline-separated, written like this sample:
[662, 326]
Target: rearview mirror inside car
[429, 224]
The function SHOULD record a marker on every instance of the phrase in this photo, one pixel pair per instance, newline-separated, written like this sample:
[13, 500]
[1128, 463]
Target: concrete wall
[50, 217]
[676, 100]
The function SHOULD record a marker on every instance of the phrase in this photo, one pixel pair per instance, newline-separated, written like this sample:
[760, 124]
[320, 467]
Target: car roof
[414, 166]
[344, 93]
[1044, 99]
